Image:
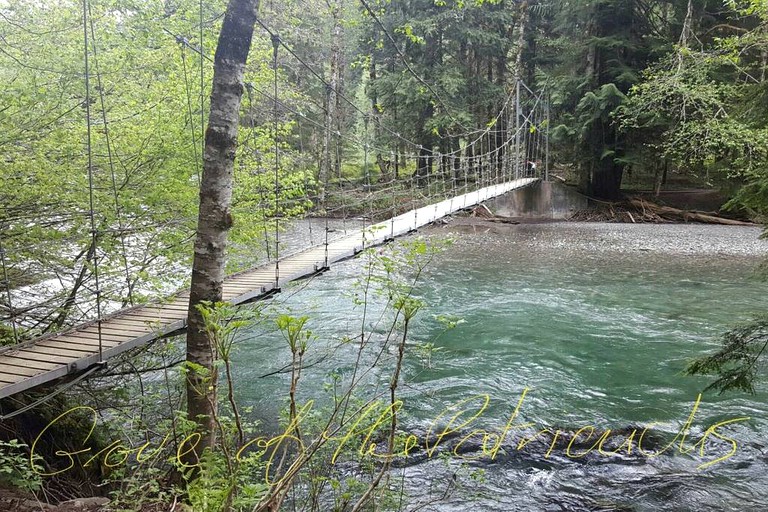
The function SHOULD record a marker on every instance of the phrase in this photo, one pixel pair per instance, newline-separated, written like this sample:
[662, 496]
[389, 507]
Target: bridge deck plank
[18, 372]
[34, 356]
[38, 365]
[88, 348]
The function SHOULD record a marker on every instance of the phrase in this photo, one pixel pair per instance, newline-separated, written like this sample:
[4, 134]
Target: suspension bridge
[454, 173]
[42, 360]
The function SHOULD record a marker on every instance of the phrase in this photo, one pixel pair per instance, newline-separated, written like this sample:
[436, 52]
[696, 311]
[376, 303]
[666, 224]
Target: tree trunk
[214, 218]
[605, 181]
[426, 137]
[501, 125]
[521, 35]
[600, 176]
[424, 166]
[330, 158]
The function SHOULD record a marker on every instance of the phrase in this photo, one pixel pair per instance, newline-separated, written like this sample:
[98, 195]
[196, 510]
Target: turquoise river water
[595, 323]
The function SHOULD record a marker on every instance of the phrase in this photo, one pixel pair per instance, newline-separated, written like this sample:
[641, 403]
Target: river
[593, 322]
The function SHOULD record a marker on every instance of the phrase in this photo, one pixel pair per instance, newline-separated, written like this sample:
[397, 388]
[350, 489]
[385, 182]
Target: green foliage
[750, 7]
[17, 470]
[688, 117]
[447, 43]
[597, 106]
[138, 487]
[395, 272]
[146, 133]
[222, 321]
[212, 488]
[292, 329]
[6, 335]
[701, 110]
[592, 60]
[426, 351]
[739, 360]
[44, 179]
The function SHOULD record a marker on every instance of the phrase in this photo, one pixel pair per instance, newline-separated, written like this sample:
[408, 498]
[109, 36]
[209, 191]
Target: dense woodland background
[641, 93]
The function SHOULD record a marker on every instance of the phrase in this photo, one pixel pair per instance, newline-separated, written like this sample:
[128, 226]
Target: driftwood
[652, 210]
[634, 210]
[638, 210]
[482, 211]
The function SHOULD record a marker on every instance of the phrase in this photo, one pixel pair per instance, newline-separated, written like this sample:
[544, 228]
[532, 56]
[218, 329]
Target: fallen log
[502, 220]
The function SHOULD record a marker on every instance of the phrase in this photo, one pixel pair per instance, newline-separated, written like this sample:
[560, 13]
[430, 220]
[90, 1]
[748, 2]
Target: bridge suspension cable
[110, 159]
[198, 158]
[275, 125]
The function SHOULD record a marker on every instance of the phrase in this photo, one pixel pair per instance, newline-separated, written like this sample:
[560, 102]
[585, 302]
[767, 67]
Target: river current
[592, 323]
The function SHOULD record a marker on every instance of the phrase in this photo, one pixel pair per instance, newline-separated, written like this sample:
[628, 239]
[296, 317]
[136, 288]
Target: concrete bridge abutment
[540, 200]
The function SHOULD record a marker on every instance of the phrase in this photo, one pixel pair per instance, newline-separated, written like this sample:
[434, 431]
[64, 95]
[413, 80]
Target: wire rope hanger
[275, 124]
[93, 255]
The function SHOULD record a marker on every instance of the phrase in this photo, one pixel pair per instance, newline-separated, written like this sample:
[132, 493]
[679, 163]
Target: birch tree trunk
[215, 219]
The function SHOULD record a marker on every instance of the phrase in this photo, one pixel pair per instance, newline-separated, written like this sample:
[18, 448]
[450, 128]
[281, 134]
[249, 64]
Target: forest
[139, 140]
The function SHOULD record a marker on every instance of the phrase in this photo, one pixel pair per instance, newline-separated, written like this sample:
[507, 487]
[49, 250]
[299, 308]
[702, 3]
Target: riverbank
[607, 237]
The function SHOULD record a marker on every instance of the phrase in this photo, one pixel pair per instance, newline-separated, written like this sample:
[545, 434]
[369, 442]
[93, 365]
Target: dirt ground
[17, 501]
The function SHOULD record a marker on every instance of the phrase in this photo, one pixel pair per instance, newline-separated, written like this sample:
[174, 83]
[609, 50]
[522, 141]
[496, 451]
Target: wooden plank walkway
[45, 359]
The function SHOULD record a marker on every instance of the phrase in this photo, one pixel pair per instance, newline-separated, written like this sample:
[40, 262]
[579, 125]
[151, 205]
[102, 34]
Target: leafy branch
[736, 364]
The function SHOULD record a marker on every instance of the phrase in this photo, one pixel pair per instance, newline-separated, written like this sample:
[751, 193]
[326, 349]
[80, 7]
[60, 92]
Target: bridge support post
[546, 141]
[517, 129]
